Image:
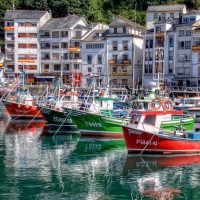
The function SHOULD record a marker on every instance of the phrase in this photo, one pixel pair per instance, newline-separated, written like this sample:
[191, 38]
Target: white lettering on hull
[93, 124]
[62, 120]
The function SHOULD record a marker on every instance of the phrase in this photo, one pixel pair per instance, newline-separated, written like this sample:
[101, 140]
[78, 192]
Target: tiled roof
[191, 12]
[185, 24]
[78, 26]
[122, 21]
[166, 8]
[92, 37]
[24, 14]
[63, 22]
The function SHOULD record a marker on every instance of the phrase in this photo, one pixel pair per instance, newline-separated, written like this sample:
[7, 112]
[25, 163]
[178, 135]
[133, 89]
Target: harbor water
[36, 163]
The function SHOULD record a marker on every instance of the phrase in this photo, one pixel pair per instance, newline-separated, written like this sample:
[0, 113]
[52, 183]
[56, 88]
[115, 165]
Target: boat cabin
[150, 120]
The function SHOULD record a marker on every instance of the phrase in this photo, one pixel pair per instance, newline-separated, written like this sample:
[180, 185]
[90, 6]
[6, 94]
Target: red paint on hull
[20, 111]
[102, 134]
[138, 141]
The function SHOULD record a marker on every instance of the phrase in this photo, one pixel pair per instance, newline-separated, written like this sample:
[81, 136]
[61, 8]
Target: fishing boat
[145, 134]
[98, 124]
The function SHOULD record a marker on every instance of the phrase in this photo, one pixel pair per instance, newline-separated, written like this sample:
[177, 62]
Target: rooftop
[63, 22]
[122, 21]
[166, 8]
[97, 35]
[24, 14]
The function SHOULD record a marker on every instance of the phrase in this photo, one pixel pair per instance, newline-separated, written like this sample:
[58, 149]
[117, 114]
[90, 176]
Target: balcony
[9, 28]
[55, 47]
[126, 61]
[114, 48]
[26, 60]
[45, 36]
[1, 64]
[74, 48]
[160, 34]
[114, 72]
[124, 72]
[46, 70]
[9, 38]
[9, 49]
[111, 61]
[196, 46]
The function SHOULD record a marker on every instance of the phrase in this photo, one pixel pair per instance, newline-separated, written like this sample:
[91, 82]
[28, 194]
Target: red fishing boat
[145, 134]
[26, 110]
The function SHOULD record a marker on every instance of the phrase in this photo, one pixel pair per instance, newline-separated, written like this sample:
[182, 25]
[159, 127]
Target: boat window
[149, 119]
[135, 119]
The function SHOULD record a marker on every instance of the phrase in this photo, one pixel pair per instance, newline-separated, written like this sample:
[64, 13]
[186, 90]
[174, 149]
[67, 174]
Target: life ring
[166, 102]
[152, 104]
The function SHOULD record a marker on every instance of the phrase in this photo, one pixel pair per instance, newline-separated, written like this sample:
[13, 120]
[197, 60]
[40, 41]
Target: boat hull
[21, 111]
[58, 120]
[90, 124]
[138, 141]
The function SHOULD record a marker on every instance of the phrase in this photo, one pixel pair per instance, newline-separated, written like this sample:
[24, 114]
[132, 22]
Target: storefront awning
[180, 78]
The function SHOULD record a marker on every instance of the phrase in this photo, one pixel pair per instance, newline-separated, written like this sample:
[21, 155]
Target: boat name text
[144, 142]
[63, 120]
[93, 124]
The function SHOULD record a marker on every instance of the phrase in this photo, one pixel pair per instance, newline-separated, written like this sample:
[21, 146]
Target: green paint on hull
[93, 122]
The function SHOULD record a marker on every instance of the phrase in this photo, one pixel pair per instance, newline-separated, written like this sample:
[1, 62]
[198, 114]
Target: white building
[124, 52]
[60, 40]
[164, 12]
[94, 55]
[22, 41]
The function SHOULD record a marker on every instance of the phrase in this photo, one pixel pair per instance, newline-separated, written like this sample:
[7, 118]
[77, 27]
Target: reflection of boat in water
[98, 144]
[156, 175]
[18, 126]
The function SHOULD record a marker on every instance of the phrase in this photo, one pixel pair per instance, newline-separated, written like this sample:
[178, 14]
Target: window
[33, 56]
[187, 71]
[89, 59]
[192, 19]
[181, 32]
[188, 32]
[124, 81]
[146, 70]
[170, 55]
[57, 67]
[33, 24]
[125, 45]
[150, 119]
[115, 44]
[185, 19]
[55, 34]
[151, 43]
[94, 46]
[65, 56]
[89, 82]
[150, 55]
[155, 15]
[21, 24]
[187, 44]
[114, 81]
[21, 56]
[89, 69]
[76, 66]
[55, 56]
[76, 44]
[181, 45]
[124, 69]
[147, 43]
[158, 29]
[46, 66]
[181, 57]
[64, 33]
[114, 71]
[114, 58]
[146, 56]
[124, 29]
[66, 67]
[99, 59]
[78, 33]
[125, 57]
[150, 68]
[115, 30]
[77, 56]
[171, 15]
[170, 68]
[187, 57]
[180, 71]
[163, 15]
[99, 69]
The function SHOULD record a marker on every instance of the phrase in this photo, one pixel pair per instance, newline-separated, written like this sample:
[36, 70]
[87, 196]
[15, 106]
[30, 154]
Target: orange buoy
[33, 108]
[26, 106]
[19, 105]
[58, 109]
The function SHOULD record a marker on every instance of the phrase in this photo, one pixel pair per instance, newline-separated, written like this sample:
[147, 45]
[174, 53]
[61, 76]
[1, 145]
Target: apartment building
[165, 12]
[60, 43]
[94, 55]
[22, 41]
[124, 52]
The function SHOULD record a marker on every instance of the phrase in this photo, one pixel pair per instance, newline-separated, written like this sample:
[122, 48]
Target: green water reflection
[33, 165]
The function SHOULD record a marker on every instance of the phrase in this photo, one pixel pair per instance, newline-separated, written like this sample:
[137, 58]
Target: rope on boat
[147, 144]
[20, 115]
[33, 118]
[61, 124]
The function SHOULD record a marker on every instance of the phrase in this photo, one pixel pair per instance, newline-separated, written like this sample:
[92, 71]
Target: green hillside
[93, 10]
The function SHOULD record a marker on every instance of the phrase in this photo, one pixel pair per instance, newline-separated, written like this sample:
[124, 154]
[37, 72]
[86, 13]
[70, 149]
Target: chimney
[159, 17]
[50, 14]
